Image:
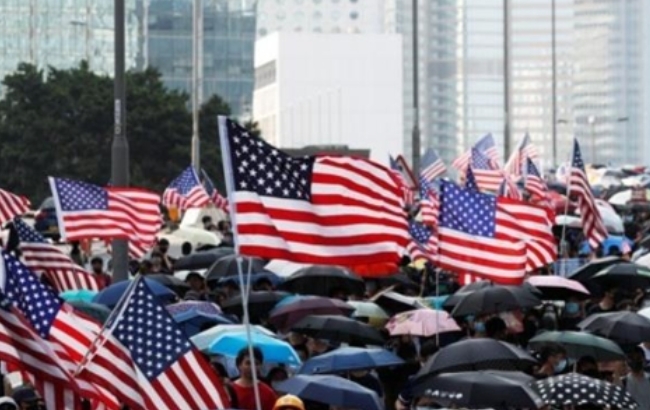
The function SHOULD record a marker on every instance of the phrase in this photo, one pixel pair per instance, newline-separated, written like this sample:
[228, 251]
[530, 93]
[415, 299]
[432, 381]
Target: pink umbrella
[558, 287]
[421, 322]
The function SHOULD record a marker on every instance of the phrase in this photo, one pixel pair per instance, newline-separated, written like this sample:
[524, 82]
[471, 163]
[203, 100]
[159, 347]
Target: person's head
[636, 359]
[289, 402]
[75, 248]
[302, 351]
[206, 221]
[163, 245]
[195, 281]
[277, 375]
[227, 238]
[245, 364]
[97, 264]
[296, 339]
[572, 308]
[495, 328]
[428, 349]
[7, 403]
[588, 366]
[317, 346]
[27, 399]
[146, 267]
[223, 226]
[554, 356]
[263, 284]
[156, 262]
[186, 248]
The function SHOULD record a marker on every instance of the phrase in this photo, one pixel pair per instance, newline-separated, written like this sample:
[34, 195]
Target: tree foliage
[60, 123]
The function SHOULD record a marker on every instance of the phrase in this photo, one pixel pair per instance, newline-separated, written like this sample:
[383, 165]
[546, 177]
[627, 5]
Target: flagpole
[230, 188]
[563, 243]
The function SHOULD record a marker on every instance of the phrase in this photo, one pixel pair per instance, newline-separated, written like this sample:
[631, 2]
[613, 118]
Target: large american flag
[217, 199]
[431, 165]
[474, 236]
[486, 171]
[68, 335]
[429, 203]
[534, 182]
[423, 244]
[186, 191]
[398, 171]
[42, 257]
[517, 161]
[87, 211]
[317, 210]
[171, 372]
[484, 145]
[593, 226]
[11, 206]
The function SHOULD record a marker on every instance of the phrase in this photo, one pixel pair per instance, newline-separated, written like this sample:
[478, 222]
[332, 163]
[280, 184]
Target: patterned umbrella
[577, 390]
[422, 322]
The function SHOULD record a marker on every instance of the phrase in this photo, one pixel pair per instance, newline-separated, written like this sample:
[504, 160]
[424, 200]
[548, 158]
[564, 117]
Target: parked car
[45, 221]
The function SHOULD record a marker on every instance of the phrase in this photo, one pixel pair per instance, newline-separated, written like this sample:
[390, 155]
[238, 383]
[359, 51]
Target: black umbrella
[321, 280]
[227, 266]
[624, 327]
[494, 299]
[579, 344]
[585, 272]
[623, 275]
[339, 329]
[178, 286]
[453, 300]
[259, 304]
[201, 260]
[575, 389]
[476, 390]
[477, 354]
[398, 280]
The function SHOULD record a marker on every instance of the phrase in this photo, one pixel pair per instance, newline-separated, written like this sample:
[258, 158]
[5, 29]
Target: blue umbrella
[332, 390]
[79, 295]
[436, 302]
[612, 241]
[112, 294]
[274, 350]
[347, 359]
[195, 315]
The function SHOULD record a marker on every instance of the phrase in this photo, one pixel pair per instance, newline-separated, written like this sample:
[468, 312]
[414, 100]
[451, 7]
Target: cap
[289, 402]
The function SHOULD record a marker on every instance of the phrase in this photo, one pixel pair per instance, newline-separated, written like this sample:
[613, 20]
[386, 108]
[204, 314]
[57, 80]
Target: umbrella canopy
[274, 350]
[202, 260]
[624, 327]
[476, 390]
[274, 279]
[332, 390]
[111, 295]
[340, 329]
[79, 295]
[472, 287]
[259, 304]
[204, 339]
[576, 389]
[94, 310]
[227, 266]
[579, 344]
[399, 280]
[586, 271]
[422, 322]
[393, 302]
[196, 315]
[477, 354]
[496, 299]
[558, 288]
[625, 274]
[322, 280]
[178, 286]
[347, 359]
[284, 317]
[368, 310]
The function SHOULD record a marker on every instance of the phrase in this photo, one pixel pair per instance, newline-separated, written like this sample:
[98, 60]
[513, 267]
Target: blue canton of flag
[465, 211]
[479, 160]
[186, 181]
[186, 191]
[432, 166]
[80, 196]
[419, 232]
[470, 180]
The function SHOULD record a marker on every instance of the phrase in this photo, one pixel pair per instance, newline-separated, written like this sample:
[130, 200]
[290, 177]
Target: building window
[265, 75]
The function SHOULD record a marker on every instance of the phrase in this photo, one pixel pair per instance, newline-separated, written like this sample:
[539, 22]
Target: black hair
[186, 248]
[428, 349]
[549, 350]
[494, 326]
[243, 353]
[97, 259]
[221, 225]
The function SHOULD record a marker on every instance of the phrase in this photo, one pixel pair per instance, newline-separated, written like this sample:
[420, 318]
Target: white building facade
[330, 89]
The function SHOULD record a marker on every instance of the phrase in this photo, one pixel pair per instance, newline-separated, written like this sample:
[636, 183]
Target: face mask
[479, 327]
[559, 368]
[572, 308]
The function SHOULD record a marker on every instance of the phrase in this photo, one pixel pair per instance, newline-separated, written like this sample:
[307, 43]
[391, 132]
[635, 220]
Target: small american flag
[474, 236]
[592, 223]
[509, 189]
[217, 199]
[486, 171]
[186, 191]
[87, 211]
[41, 256]
[318, 210]
[432, 166]
[171, 372]
[423, 244]
[485, 145]
[534, 182]
[517, 161]
[429, 204]
[11, 206]
[407, 193]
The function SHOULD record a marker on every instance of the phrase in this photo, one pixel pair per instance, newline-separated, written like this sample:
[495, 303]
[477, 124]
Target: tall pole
[506, 78]
[415, 143]
[197, 61]
[554, 85]
[120, 148]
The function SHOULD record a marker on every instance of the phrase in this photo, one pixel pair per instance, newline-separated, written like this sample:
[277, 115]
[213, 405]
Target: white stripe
[152, 394]
[212, 390]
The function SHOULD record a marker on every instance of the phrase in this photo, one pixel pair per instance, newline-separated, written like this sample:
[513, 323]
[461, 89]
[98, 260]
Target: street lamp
[415, 143]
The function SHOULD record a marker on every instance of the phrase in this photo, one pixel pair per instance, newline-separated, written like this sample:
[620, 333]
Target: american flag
[186, 191]
[474, 236]
[317, 210]
[534, 182]
[592, 223]
[509, 189]
[407, 193]
[485, 145]
[217, 199]
[429, 204]
[517, 161]
[432, 166]
[423, 244]
[41, 256]
[486, 171]
[67, 334]
[87, 211]
[11, 206]
[171, 372]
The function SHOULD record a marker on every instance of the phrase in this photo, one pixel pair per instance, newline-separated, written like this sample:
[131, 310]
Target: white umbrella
[195, 236]
[283, 268]
[204, 339]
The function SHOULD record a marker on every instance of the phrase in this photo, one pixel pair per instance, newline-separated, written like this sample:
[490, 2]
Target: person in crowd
[197, 284]
[27, 399]
[289, 402]
[606, 304]
[588, 366]
[223, 227]
[227, 240]
[405, 399]
[163, 249]
[244, 387]
[318, 347]
[368, 380]
[76, 254]
[186, 248]
[636, 382]
[302, 351]
[146, 268]
[207, 222]
[495, 328]
[262, 284]
[97, 267]
[276, 376]
[157, 265]
[572, 314]
[552, 359]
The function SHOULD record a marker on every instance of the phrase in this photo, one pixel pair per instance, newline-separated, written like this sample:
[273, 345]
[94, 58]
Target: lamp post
[197, 61]
[415, 142]
[554, 84]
